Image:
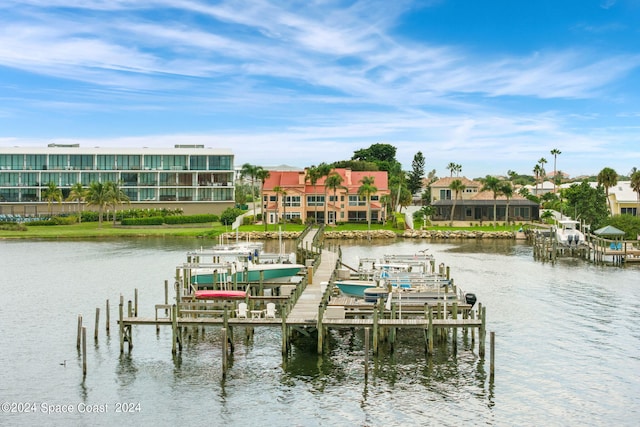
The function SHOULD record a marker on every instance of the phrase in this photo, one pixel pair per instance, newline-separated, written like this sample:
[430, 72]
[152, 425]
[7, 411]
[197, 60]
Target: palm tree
[98, 195]
[458, 169]
[543, 172]
[491, 183]
[262, 175]
[116, 197]
[555, 152]
[52, 194]
[313, 175]
[456, 186]
[607, 178]
[323, 171]
[249, 170]
[77, 192]
[635, 185]
[507, 190]
[334, 181]
[367, 189]
[537, 171]
[281, 191]
[452, 168]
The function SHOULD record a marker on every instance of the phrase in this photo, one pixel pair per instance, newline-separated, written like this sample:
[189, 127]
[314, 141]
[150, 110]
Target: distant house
[474, 205]
[540, 188]
[287, 194]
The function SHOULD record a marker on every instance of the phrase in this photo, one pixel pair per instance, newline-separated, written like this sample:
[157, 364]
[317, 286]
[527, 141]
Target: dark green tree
[587, 204]
[414, 183]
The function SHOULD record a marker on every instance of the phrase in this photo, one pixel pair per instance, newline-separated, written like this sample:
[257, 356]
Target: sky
[493, 86]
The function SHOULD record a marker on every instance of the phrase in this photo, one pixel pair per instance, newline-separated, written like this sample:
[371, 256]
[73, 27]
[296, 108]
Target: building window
[220, 162]
[316, 200]
[292, 201]
[628, 211]
[357, 201]
[445, 194]
[105, 163]
[198, 163]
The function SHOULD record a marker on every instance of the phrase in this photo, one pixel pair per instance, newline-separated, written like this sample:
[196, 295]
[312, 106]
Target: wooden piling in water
[366, 352]
[107, 318]
[483, 331]
[492, 347]
[84, 352]
[79, 339]
[121, 328]
[224, 352]
[95, 334]
[135, 305]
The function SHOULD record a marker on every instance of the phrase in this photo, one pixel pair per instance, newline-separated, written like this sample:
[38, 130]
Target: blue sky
[490, 85]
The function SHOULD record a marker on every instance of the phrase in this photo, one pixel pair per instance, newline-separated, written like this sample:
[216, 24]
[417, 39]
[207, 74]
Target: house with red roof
[289, 194]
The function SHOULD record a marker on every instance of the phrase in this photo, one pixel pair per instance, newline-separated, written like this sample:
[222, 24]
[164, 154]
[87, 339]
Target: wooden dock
[310, 307]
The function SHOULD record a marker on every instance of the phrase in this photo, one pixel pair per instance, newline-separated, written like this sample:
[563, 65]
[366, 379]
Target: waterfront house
[476, 206]
[289, 194]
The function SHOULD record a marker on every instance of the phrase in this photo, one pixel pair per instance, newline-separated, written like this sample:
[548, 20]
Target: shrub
[154, 220]
[229, 215]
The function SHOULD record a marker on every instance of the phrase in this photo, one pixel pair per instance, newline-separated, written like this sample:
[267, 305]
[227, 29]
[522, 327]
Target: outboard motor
[570, 239]
[470, 299]
[576, 239]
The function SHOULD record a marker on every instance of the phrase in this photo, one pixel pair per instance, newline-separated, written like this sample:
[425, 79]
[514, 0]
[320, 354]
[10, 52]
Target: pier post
[454, 316]
[84, 352]
[366, 352]
[492, 347]
[166, 296]
[285, 336]
[95, 334]
[135, 305]
[473, 330]
[375, 329]
[129, 309]
[483, 331]
[78, 342]
[320, 329]
[121, 328]
[430, 333]
[108, 317]
[224, 352]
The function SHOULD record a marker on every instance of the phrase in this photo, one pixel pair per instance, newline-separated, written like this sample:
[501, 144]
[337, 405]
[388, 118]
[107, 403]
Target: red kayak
[220, 294]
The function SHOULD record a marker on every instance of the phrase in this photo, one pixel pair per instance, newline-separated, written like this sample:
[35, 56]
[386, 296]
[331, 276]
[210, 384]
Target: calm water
[567, 347]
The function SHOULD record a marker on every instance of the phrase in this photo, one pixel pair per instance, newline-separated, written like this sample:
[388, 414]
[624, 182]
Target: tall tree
[249, 170]
[491, 183]
[607, 178]
[52, 194]
[117, 196]
[555, 153]
[414, 183]
[323, 172]
[98, 195]
[280, 191]
[77, 193]
[507, 189]
[537, 171]
[366, 190]
[262, 175]
[635, 185]
[313, 175]
[452, 168]
[333, 182]
[543, 172]
[457, 187]
[587, 203]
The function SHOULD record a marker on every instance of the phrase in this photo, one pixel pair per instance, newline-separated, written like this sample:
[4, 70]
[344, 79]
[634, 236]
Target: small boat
[244, 262]
[567, 233]
[221, 294]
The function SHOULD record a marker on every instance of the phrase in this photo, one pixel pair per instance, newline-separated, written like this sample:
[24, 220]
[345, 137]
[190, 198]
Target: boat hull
[269, 272]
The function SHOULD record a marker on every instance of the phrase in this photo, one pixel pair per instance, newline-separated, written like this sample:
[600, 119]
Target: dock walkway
[305, 311]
